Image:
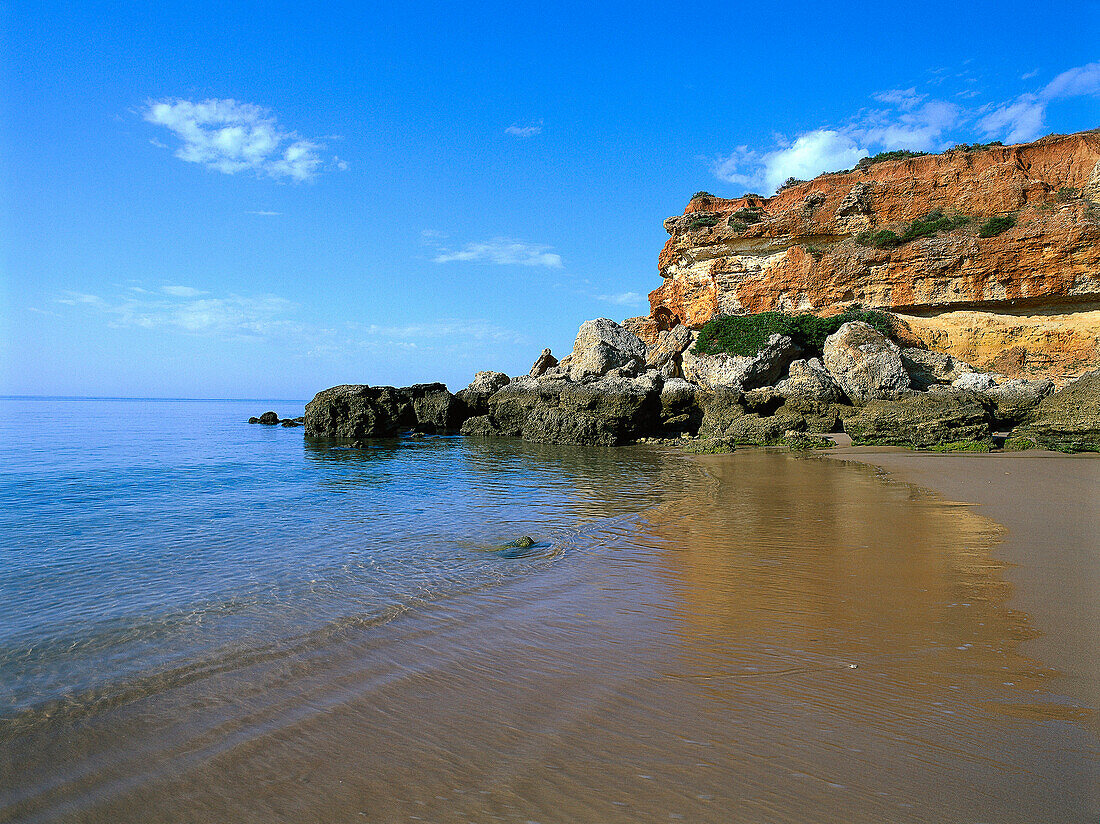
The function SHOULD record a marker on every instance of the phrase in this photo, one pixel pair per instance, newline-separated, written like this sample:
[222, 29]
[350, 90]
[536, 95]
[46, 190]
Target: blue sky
[235, 200]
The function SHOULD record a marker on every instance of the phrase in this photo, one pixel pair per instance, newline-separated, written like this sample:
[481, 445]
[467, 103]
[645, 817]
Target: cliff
[1022, 301]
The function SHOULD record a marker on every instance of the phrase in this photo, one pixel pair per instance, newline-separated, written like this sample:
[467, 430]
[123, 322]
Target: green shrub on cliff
[702, 196]
[745, 335]
[702, 220]
[932, 223]
[882, 157]
[997, 224]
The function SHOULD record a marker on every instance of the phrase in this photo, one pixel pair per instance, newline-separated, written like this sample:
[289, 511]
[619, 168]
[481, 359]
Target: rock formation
[1024, 301]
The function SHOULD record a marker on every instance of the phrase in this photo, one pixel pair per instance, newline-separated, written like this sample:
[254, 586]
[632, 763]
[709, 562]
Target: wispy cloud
[264, 213]
[631, 299]
[529, 130]
[230, 137]
[189, 310]
[1023, 119]
[905, 119]
[503, 251]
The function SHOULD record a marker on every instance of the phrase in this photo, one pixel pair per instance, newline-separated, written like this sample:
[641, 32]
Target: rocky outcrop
[927, 368]
[357, 412]
[543, 363]
[922, 420]
[1030, 295]
[865, 363]
[1069, 420]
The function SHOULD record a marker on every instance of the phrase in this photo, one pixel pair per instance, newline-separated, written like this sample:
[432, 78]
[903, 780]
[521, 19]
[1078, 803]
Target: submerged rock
[865, 363]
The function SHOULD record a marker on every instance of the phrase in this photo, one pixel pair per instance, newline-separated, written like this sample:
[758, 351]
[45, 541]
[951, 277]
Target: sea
[203, 619]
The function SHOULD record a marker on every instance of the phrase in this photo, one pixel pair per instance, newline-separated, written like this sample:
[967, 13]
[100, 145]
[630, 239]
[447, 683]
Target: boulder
[810, 379]
[289, 422]
[476, 396]
[480, 426]
[721, 407]
[603, 345]
[268, 419]
[358, 411]
[1015, 400]
[976, 381]
[253, 419]
[543, 362]
[865, 363]
[607, 412]
[510, 406]
[664, 355]
[1068, 420]
[680, 412]
[922, 419]
[926, 367]
[737, 372]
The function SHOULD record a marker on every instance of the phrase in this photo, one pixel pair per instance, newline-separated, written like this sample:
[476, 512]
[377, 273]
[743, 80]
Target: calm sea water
[148, 542]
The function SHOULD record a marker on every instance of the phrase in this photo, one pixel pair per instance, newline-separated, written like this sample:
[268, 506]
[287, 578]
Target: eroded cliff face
[1023, 302]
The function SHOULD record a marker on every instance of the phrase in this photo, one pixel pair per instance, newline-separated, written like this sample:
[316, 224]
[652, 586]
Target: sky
[229, 200]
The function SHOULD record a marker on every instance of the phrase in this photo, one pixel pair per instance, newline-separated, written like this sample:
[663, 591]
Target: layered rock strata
[1022, 302]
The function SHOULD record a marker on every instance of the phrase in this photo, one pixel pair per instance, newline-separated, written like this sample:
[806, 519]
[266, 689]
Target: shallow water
[770, 639]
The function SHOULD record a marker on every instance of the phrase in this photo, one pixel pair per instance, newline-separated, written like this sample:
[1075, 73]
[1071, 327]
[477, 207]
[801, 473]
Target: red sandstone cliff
[1024, 302]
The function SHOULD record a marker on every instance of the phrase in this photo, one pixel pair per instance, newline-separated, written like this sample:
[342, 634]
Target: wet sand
[784, 640]
[1050, 505]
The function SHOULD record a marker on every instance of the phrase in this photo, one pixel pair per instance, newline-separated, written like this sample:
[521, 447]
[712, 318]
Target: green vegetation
[932, 223]
[788, 183]
[745, 335]
[740, 220]
[1019, 444]
[702, 195]
[961, 446]
[882, 157]
[816, 251]
[750, 214]
[708, 446]
[974, 147]
[702, 220]
[1066, 194]
[996, 224]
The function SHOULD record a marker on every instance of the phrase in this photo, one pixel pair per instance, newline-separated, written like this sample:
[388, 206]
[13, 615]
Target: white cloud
[1030, 74]
[529, 130]
[1023, 119]
[182, 291]
[183, 309]
[904, 99]
[810, 154]
[625, 299]
[229, 137]
[264, 213]
[908, 119]
[503, 251]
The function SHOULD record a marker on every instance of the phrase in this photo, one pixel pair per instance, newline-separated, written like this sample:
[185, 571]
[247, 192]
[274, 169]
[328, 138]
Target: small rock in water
[269, 418]
[253, 419]
[521, 543]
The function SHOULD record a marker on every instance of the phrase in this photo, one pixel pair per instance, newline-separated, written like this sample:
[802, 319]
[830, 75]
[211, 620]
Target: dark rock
[680, 412]
[361, 411]
[521, 543]
[922, 419]
[253, 419]
[1068, 420]
[480, 426]
[289, 422]
[268, 419]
